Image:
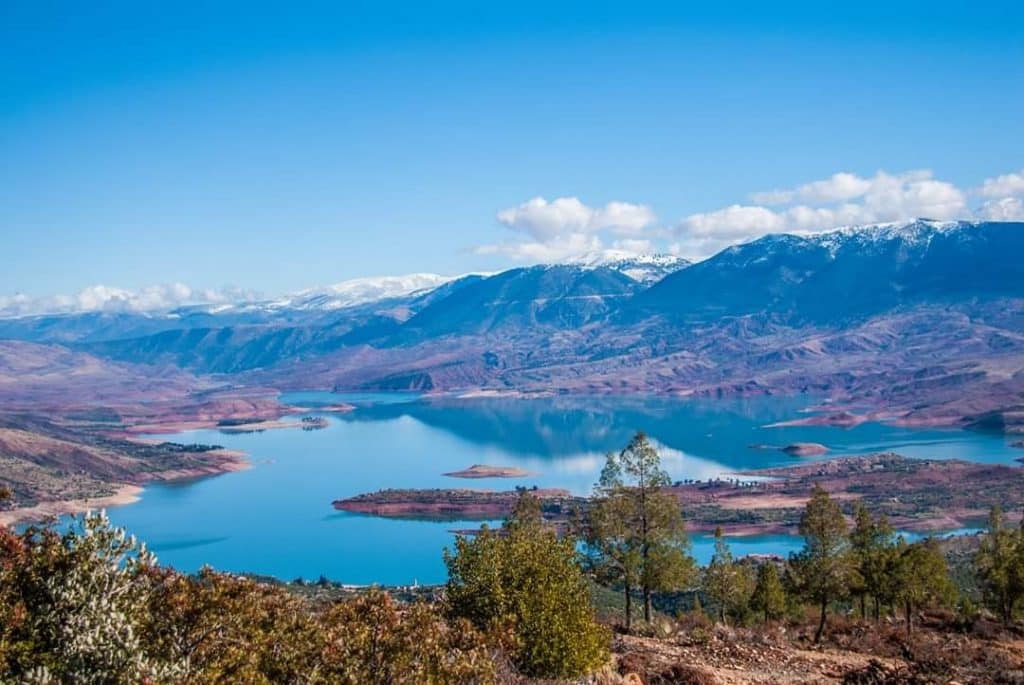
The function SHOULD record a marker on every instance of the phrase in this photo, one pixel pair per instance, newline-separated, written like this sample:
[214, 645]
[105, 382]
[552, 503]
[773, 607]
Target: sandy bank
[231, 461]
[124, 494]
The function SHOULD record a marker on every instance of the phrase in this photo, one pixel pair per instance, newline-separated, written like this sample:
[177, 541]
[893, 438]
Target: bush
[523, 586]
[91, 606]
[370, 641]
[77, 600]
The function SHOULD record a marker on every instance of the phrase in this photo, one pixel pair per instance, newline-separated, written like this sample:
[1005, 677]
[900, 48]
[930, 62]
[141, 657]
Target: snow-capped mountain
[916, 233]
[350, 293]
[646, 269]
[849, 272]
[361, 291]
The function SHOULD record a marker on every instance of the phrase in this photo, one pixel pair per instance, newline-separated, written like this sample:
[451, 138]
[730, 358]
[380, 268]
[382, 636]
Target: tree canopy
[825, 569]
[637, 528]
[523, 581]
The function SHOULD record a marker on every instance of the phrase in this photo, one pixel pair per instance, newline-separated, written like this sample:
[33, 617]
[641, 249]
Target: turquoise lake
[276, 518]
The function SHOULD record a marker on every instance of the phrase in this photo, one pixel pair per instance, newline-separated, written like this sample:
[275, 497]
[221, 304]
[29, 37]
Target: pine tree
[920, 577]
[769, 596]
[727, 583]
[871, 542]
[637, 526]
[1000, 565]
[613, 555]
[824, 570]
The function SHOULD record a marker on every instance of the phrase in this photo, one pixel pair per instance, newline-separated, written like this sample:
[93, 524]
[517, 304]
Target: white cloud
[773, 197]
[633, 246]
[566, 228]
[102, 298]
[623, 218]
[543, 220]
[843, 199]
[836, 188]
[1003, 186]
[558, 248]
[1006, 209]
[734, 221]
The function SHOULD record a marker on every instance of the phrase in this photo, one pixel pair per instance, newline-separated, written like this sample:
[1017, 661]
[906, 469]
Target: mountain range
[924, 319]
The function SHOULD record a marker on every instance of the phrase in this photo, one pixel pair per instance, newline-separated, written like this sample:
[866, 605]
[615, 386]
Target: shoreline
[917, 496]
[171, 427]
[125, 493]
[233, 461]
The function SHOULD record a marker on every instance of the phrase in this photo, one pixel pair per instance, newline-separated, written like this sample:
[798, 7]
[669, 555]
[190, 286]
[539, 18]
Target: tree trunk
[629, 607]
[821, 622]
[863, 607]
[878, 609]
[908, 610]
[645, 547]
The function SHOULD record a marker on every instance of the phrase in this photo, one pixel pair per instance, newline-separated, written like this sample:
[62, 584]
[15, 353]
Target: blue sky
[279, 148]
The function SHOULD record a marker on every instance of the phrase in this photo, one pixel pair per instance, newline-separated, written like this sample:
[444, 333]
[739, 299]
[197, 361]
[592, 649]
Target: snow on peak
[644, 268]
[916, 232]
[362, 291]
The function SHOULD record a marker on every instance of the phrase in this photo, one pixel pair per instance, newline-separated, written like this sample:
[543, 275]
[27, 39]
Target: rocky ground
[853, 653]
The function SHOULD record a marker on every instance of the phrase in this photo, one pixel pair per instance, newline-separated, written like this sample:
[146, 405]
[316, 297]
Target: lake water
[276, 518]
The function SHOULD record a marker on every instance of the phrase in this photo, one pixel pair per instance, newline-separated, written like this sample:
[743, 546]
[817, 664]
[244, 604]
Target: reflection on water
[276, 518]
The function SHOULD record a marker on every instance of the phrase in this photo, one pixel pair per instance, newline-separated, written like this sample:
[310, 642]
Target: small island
[235, 426]
[487, 471]
[454, 504]
[797, 449]
[805, 449]
[840, 419]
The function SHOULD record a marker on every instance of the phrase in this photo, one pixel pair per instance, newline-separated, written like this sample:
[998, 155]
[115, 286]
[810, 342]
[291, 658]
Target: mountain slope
[846, 274]
[557, 296]
[218, 345]
[914, 316]
[646, 269]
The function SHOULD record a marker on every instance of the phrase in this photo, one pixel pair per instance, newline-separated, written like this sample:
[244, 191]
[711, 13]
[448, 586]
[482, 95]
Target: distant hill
[559, 296]
[848, 273]
[926, 317]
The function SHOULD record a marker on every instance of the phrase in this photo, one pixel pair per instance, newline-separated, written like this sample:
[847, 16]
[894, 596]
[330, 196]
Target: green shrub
[523, 586]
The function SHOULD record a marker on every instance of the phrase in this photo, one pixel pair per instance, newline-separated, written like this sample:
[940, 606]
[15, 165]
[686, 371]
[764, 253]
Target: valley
[918, 325]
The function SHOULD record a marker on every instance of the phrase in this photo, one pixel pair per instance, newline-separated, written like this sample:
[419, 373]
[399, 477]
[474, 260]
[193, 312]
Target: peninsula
[918, 495]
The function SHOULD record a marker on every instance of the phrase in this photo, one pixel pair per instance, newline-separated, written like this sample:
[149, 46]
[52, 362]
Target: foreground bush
[91, 606]
[524, 582]
[76, 605]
